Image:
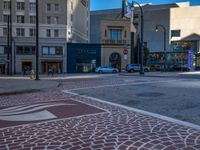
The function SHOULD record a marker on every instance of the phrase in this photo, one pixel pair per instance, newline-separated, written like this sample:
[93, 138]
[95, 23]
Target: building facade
[83, 58]
[180, 20]
[60, 22]
[114, 34]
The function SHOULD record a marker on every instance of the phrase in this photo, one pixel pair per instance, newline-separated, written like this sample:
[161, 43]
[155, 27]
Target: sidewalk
[23, 85]
[153, 74]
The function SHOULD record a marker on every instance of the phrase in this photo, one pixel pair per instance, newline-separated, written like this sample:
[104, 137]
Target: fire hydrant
[32, 74]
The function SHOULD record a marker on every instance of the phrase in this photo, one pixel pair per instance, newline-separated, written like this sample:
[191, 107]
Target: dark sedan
[180, 68]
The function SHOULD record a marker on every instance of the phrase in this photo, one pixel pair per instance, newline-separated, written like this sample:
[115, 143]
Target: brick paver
[116, 128]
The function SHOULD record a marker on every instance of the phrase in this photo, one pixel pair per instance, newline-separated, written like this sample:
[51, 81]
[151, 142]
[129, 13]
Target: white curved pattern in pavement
[37, 116]
[29, 112]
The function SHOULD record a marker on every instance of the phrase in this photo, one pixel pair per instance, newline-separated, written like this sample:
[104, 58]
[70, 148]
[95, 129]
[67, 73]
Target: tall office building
[60, 22]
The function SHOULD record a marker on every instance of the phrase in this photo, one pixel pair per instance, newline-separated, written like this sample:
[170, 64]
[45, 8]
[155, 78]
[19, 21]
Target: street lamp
[37, 43]
[164, 29]
[141, 35]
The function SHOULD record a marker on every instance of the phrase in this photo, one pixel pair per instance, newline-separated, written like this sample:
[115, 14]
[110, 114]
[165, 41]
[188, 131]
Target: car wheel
[100, 71]
[132, 70]
[114, 71]
[146, 70]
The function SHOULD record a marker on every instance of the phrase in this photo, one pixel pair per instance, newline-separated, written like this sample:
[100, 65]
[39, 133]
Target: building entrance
[115, 60]
[2, 69]
[26, 65]
[55, 66]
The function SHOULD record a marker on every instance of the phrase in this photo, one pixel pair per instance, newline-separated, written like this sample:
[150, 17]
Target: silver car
[106, 69]
[136, 68]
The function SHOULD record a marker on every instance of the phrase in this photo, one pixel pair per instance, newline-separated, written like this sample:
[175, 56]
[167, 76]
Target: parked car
[106, 69]
[180, 68]
[136, 68]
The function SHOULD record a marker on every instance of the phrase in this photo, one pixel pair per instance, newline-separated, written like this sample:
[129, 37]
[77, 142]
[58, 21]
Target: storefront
[83, 58]
[55, 65]
[181, 53]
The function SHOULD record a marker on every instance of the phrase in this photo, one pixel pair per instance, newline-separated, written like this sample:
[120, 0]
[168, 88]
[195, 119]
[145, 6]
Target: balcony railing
[108, 41]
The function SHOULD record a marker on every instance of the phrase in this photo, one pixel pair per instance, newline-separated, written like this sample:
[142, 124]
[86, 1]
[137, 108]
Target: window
[175, 33]
[45, 50]
[52, 50]
[59, 51]
[56, 7]
[48, 20]
[20, 19]
[2, 50]
[5, 31]
[136, 26]
[115, 34]
[32, 19]
[20, 32]
[32, 32]
[71, 17]
[6, 5]
[32, 7]
[6, 18]
[56, 20]
[136, 16]
[72, 7]
[25, 50]
[20, 6]
[48, 33]
[48, 7]
[56, 33]
[125, 34]
[105, 33]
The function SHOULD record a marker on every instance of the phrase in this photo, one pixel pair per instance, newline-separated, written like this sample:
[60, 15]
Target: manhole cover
[150, 94]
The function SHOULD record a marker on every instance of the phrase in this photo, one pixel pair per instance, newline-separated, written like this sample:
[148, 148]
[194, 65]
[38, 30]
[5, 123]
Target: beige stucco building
[60, 21]
[114, 33]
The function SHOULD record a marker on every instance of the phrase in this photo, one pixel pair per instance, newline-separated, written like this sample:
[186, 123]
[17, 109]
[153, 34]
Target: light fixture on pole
[128, 12]
[141, 35]
[164, 38]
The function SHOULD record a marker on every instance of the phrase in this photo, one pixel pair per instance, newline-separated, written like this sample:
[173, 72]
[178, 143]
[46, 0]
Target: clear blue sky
[109, 4]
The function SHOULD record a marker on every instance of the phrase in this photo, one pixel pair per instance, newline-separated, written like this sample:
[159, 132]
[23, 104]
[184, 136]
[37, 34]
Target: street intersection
[97, 113]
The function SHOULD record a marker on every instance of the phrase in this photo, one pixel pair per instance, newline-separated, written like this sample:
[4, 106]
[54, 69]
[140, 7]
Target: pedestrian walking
[24, 71]
[50, 72]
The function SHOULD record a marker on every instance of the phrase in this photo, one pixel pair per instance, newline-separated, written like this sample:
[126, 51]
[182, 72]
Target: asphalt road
[177, 98]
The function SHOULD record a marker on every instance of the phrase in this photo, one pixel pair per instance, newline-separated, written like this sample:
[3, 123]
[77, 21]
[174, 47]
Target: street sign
[125, 52]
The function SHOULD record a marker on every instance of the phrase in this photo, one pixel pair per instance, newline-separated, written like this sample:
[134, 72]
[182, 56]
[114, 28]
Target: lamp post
[141, 35]
[37, 43]
[164, 29]
[10, 47]
[14, 53]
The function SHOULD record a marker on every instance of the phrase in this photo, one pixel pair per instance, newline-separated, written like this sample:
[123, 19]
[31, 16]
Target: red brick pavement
[117, 128]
